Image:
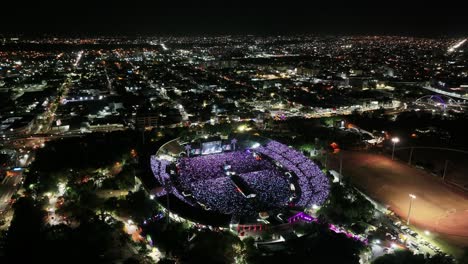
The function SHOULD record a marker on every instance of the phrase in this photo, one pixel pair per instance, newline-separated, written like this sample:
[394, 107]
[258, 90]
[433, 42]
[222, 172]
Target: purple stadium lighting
[270, 171]
[233, 143]
[187, 149]
[302, 216]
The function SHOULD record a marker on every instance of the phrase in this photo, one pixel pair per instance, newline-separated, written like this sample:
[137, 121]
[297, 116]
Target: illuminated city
[257, 141]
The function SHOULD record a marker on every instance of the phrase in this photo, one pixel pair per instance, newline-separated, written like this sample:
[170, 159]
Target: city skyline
[239, 132]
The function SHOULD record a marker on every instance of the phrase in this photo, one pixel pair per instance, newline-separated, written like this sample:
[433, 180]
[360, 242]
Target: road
[48, 117]
[8, 187]
[437, 207]
[400, 238]
[12, 183]
[446, 93]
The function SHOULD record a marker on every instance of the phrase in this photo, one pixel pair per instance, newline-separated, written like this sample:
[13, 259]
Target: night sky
[172, 17]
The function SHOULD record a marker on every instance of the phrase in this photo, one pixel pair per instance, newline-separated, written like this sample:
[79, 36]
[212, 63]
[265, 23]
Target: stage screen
[211, 147]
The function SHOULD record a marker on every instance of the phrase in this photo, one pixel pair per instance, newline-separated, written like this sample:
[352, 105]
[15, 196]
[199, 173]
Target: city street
[8, 187]
[12, 183]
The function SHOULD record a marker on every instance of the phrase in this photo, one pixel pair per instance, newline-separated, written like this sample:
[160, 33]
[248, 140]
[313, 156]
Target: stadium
[238, 180]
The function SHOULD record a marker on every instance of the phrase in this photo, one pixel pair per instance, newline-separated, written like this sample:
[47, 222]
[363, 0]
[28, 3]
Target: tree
[166, 261]
[48, 182]
[252, 253]
[111, 204]
[169, 237]
[132, 260]
[125, 180]
[73, 210]
[25, 231]
[440, 259]
[93, 151]
[464, 257]
[213, 247]
[407, 257]
[319, 246]
[378, 113]
[346, 206]
[400, 257]
[89, 199]
[138, 205]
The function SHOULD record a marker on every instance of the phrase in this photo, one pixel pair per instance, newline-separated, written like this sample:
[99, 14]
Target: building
[147, 119]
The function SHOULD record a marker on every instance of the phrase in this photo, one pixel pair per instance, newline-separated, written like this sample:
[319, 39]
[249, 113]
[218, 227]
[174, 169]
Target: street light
[394, 140]
[412, 197]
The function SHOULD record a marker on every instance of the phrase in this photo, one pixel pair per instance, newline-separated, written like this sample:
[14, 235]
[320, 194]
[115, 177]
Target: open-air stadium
[240, 178]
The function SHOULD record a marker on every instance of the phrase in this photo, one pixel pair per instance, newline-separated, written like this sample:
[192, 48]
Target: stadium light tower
[187, 149]
[412, 197]
[233, 143]
[394, 140]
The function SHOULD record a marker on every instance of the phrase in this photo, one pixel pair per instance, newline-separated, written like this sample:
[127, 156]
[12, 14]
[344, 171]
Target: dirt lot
[438, 207]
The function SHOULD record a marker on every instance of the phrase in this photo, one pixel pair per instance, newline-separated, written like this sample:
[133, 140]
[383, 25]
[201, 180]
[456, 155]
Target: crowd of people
[160, 171]
[192, 169]
[313, 183]
[219, 194]
[270, 186]
[205, 180]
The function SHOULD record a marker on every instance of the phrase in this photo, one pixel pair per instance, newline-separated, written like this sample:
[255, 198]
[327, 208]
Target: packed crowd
[198, 168]
[159, 168]
[270, 186]
[219, 194]
[205, 179]
[314, 185]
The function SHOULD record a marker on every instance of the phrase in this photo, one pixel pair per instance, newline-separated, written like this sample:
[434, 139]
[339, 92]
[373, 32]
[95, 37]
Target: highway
[450, 94]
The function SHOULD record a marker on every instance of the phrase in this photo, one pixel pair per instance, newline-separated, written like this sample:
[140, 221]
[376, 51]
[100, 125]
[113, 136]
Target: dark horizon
[334, 17]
